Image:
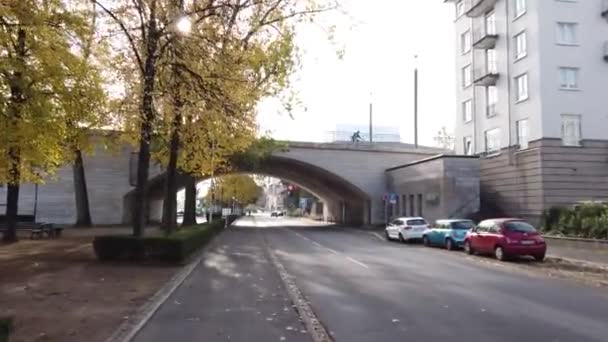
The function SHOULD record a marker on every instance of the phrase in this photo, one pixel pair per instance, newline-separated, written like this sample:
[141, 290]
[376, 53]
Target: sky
[380, 39]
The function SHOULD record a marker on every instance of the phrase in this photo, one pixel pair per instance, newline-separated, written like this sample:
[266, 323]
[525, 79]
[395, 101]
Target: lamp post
[416, 101]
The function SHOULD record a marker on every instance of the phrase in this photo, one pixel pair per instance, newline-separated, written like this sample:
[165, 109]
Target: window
[462, 225]
[567, 33]
[521, 45]
[420, 213]
[416, 222]
[521, 84]
[465, 42]
[492, 138]
[520, 7]
[468, 146]
[403, 205]
[491, 62]
[520, 227]
[571, 130]
[522, 134]
[411, 205]
[491, 23]
[467, 77]
[467, 110]
[491, 100]
[459, 8]
[568, 78]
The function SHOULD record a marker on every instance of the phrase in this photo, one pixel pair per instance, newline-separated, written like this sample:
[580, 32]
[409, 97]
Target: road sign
[226, 212]
[393, 199]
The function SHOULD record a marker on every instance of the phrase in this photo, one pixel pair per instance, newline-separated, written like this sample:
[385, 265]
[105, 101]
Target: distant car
[277, 214]
[506, 238]
[448, 233]
[406, 229]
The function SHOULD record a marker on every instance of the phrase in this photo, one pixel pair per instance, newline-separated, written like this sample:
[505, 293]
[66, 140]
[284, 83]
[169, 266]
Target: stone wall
[436, 188]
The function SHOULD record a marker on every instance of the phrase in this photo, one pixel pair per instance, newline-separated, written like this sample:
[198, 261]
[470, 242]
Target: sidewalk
[235, 294]
[579, 250]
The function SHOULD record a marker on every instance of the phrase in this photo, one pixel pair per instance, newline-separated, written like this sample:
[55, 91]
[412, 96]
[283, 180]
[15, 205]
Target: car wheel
[500, 254]
[468, 248]
[540, 257]
[426, 241]
[449, 244]
[401, 239]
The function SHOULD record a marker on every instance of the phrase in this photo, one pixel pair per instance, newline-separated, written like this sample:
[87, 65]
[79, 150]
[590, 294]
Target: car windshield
[520, 226]
[416, 222]
[462, 225]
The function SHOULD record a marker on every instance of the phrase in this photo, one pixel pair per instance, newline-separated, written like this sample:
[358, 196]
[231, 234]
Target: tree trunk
[14, 153]
[169, 205]
[147, 116]
[190, 202]
[83, 210]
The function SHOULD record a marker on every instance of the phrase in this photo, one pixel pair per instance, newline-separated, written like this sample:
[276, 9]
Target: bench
[37, 229]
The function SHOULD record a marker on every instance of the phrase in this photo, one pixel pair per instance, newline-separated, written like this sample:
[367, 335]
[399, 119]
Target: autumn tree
[237, 188]
[41, 65]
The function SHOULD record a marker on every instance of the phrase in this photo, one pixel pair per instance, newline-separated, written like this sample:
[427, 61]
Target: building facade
[532, 100]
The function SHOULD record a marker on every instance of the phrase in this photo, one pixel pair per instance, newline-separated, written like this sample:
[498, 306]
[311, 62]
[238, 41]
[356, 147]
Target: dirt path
[57, 291]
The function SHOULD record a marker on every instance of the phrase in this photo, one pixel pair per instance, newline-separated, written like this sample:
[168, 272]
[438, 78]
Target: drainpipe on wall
[509, 84]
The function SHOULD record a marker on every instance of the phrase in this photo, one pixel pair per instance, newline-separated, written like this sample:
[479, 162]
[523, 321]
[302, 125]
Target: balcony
[485, 77]
[476, 8]
[485, 38]
[605, 9]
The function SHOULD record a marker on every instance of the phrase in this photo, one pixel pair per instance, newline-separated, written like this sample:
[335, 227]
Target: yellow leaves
[240, 188]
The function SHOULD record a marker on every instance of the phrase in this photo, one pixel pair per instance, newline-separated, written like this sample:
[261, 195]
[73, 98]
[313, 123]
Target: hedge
[6, 326]
[174, 248]
[586, 220]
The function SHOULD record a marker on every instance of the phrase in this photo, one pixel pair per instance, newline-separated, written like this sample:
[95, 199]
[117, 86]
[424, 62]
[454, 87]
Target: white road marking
[357, 262]
[377, 235]
[329, 249]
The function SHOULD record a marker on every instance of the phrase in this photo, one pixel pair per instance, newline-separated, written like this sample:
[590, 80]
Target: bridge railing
[347, 136]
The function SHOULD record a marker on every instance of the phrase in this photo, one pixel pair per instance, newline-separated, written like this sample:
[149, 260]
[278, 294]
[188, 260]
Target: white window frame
[491, 100]
[519, 8]
[467, 110]
[523, 133]
[491, 61]
[522, 93]
[572, 123]
[521, 45]
[560, 30]
[460, 8]
[492, 139]
[466, 43]
[569, 78]
[490, 23]
[467, 149]
[467, 77]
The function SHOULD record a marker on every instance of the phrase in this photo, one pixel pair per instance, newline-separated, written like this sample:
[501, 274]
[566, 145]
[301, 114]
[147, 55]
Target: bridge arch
[343, 201]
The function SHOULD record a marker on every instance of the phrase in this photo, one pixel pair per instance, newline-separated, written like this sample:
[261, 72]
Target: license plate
[527, 242]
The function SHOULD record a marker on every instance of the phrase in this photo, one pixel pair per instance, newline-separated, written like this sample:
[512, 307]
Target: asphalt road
[365, 289]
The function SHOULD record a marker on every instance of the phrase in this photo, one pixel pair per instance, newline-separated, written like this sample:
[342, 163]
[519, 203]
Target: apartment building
[533, 100]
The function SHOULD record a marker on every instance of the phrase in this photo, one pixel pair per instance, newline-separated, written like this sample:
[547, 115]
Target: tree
[40, 66]
[239, 188]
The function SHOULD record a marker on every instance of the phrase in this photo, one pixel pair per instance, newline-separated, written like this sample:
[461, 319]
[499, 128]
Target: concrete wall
[449, 187]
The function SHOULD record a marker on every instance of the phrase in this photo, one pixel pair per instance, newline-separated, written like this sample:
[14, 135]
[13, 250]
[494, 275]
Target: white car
[406, 229]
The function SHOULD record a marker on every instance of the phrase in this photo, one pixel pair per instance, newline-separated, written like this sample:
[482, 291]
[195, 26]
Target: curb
[131, 327]
[312, 322]
[575, 239]
[580, 263]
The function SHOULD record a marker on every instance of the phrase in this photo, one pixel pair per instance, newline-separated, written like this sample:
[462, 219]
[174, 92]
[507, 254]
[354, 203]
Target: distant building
[344, 132]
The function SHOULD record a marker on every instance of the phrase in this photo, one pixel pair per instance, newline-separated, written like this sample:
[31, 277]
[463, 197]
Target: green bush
[6, 326]
[586, 220]
[174, 248]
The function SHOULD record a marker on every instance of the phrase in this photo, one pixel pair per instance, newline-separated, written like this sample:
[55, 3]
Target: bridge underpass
[342, 201]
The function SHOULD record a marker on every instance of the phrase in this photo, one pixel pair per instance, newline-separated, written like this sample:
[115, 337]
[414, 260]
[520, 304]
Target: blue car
[448, 233]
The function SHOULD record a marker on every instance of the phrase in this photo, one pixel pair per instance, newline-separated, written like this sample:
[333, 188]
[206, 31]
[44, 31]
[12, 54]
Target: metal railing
[347, 136]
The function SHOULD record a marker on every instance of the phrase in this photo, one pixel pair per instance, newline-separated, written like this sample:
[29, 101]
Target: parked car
[406, 229]
[506, 238]
[448, 233]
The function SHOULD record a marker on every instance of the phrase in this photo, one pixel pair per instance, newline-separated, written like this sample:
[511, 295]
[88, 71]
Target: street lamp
[184, 25]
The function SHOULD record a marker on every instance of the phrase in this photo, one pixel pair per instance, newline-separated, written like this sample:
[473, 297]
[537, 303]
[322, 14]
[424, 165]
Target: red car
[505, 238]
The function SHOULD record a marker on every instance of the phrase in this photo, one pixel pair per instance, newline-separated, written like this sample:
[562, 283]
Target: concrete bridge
[349, 179]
